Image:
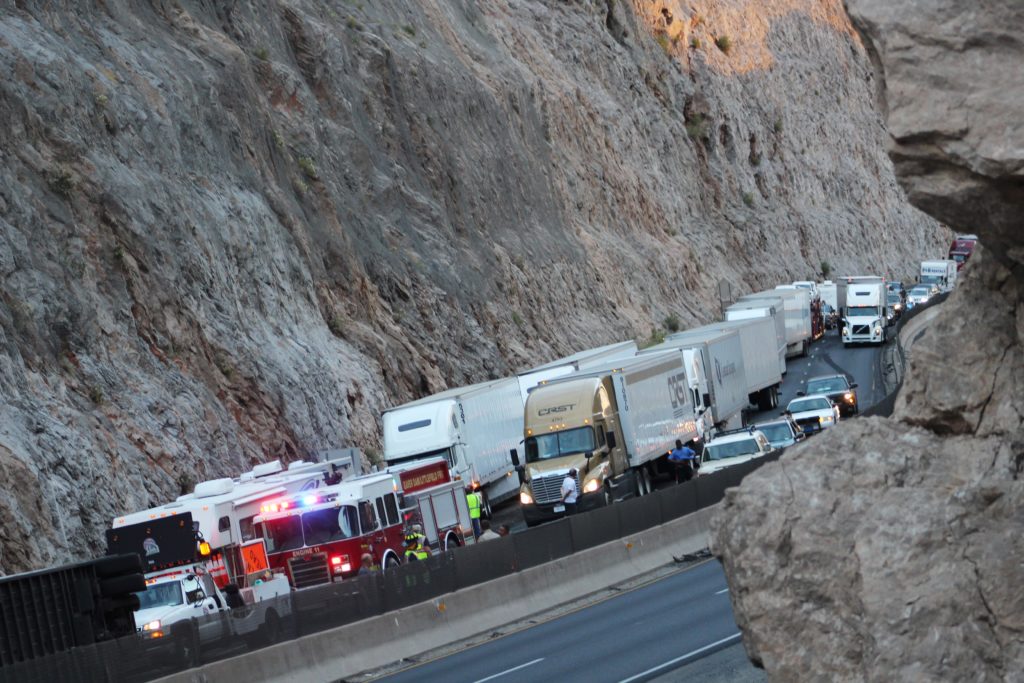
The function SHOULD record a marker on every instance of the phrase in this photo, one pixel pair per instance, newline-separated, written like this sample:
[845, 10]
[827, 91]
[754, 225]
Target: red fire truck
[319, 536]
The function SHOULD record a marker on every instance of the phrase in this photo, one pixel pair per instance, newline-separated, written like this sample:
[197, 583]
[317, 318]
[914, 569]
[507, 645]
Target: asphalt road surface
[652, 632]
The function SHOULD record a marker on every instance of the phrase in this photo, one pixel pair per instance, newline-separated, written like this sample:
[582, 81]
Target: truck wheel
[390, 562]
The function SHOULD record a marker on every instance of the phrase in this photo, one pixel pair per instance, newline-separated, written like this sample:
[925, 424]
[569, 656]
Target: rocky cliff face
[239, 230]
[891, 549]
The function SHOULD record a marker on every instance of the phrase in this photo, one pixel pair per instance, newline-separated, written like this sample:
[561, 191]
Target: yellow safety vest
[418, 552]
[474, 505]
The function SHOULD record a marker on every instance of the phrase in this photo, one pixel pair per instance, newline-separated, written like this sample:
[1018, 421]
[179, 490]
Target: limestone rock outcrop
[891, 549]
[234, 231]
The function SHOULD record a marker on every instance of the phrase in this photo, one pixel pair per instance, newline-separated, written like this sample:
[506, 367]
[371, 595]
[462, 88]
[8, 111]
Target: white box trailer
[577, 362]
[721, 354]
[753, 310]
[473, 427]
[941, 273]
[758, 339]
[796, 306]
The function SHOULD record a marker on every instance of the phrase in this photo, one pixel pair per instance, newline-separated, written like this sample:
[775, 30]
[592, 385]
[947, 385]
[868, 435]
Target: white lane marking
[724, 590]
[508, 671]
[679, 659]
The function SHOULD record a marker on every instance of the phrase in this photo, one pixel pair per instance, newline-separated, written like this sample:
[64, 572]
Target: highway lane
[636, 636]
[828, 356]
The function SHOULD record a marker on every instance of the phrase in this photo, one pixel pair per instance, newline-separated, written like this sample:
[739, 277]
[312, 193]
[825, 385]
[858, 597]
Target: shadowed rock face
[891, 549]
[234, 231]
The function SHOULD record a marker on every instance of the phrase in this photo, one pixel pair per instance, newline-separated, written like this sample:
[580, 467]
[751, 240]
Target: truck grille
[549, 489]
[861, 329]
[311, 570]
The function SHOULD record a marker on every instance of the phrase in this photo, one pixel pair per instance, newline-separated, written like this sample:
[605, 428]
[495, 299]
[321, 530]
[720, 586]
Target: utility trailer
[577, 362]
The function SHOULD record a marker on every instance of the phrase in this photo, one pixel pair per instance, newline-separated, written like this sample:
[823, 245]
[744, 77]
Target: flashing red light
[284, 505]
[336, 559]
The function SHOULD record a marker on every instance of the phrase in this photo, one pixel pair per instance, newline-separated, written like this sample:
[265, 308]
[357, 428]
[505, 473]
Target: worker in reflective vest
[414, 550]
[475, 500]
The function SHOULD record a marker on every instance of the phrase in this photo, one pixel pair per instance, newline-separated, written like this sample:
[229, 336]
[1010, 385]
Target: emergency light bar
[305, 501]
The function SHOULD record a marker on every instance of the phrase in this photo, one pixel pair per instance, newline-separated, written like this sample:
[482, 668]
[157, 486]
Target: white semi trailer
[721, 367]
[473, 428]
[754, 310]
[760, 358]
[577, 362]
[796, 306]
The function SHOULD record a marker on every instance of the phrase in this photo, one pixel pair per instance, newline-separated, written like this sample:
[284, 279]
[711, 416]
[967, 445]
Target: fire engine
[319, 536]
[428, 497]
[217, 520]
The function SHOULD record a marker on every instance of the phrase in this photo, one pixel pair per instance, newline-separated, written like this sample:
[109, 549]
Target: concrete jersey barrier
[412, 631]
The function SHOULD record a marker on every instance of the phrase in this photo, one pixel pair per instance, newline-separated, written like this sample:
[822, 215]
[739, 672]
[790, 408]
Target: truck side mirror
[520, 470]
[707, 400]
[800, 393]
[610, 438]
[853, 386]
[514, 454]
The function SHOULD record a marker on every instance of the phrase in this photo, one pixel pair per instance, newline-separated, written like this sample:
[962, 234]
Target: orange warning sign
[254, 556]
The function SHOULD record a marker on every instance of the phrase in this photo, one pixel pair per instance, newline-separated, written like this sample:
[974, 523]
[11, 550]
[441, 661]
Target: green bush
[748, 198]
[308, 167]
[723, 43]
[672, 323]
[826, 269]
[697, 127]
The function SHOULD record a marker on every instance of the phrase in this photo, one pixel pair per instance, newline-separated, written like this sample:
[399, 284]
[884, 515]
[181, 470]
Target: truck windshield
[330, 524]
[731, 450]
[779, 431]
[161, 595]
[283, 534]
[557, 444]
[931, 279]
[827, 385]
[861, 311]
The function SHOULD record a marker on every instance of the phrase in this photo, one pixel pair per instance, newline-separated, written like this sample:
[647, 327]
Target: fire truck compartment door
[429, 522]
[445, 510]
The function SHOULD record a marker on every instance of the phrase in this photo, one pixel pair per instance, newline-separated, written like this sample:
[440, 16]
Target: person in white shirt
[569, 491]
[487, 535]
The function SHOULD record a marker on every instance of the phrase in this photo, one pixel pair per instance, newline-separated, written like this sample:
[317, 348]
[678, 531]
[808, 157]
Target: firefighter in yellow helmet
[414, 548]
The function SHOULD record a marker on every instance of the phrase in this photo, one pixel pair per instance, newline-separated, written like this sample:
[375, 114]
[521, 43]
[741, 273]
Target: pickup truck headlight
[591, 486]
[525, 498]
[152, 626]
[826, 420]
[878, 330]
[848, 396]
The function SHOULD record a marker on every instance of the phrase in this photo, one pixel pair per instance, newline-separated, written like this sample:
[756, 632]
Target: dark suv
[836, 387]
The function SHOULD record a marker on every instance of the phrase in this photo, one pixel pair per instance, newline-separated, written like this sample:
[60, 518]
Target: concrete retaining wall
[337, 653]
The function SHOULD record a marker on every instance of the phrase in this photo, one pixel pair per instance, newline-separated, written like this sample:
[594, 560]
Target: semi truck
[473, 428]
[760, 358]
[865, 320]
[476, 427]
[961, 249]
[941, 273]
[613, 425]
[746, 310]
[817, 307]
[715, 357]
[796, 307]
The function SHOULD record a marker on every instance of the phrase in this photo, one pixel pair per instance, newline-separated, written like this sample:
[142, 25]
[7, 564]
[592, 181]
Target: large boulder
[891, 549]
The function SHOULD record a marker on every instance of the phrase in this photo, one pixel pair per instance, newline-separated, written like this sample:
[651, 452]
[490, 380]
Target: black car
[836, 387]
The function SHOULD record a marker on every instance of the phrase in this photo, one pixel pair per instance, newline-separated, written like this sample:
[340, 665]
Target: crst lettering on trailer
[555, 409]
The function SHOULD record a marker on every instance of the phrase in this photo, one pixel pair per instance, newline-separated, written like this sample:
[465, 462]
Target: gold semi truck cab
[569, 424]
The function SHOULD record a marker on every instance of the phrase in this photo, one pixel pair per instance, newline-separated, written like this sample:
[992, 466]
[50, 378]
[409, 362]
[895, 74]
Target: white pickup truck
[177, 605]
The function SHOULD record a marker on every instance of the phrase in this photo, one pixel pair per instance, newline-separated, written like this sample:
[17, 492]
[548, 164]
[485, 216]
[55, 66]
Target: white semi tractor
[941, 273]
[864, 319]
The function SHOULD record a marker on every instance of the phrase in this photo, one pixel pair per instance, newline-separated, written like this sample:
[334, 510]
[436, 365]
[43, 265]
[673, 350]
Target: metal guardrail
[192, 643]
